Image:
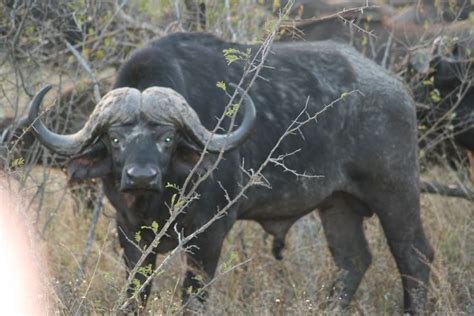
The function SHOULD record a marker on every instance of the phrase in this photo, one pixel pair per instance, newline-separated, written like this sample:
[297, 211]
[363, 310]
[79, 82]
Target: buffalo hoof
[277, 248]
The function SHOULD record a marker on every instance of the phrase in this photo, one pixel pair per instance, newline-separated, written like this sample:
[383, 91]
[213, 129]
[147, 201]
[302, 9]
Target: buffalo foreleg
[398, 210]
[132, 254]
[202, 258]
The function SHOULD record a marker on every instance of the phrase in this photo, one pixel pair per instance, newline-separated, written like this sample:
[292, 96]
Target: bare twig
[87, 68]
[346, 15]
[133, 22]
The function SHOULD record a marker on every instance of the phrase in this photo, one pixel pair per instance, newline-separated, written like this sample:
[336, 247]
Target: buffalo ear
[93, 162]
[187, 156]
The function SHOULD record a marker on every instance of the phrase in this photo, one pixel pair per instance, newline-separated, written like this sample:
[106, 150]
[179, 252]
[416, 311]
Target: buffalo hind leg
[344, 231]
[399, 214]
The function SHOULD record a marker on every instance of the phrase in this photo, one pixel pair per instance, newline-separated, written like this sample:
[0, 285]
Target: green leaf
[146, 270]
[18, 162]
[173, 199]
[172, 186]
[100, 54]
[136, 285]
[276, 5]
[231, 110]
[138, 236]
[429, 82]
[221, 85]
[154, 227]
[232, 54]
[435, 96]
[30, 29]
[365, 40]
[198, 278]
[176, 202]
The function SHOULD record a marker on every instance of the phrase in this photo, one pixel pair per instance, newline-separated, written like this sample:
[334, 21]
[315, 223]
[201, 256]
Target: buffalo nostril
[141, 173]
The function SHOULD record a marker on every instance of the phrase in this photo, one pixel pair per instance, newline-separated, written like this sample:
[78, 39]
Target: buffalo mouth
[141, 190]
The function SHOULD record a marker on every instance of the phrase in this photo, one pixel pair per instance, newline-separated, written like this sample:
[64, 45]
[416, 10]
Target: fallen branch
[452, 190]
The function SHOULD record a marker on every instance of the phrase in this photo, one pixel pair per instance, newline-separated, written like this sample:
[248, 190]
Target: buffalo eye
[115, 141]
[168, 139]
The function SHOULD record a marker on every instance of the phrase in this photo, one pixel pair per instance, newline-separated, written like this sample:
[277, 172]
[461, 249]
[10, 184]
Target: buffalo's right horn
[61, 144]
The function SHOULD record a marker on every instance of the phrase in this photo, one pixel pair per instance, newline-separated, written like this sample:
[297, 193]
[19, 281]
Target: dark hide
[365, 147]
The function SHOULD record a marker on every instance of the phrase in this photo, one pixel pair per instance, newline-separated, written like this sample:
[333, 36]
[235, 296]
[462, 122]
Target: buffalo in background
[435, 59]
[416, 11]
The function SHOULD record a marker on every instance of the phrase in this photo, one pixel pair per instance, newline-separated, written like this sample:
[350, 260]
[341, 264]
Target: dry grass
[264, 286]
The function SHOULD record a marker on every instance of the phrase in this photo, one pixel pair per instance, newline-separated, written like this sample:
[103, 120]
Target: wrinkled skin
[365, 147]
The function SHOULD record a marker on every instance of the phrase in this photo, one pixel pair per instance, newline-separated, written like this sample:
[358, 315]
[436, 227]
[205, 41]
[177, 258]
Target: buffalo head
[139, 137]
[449, 56]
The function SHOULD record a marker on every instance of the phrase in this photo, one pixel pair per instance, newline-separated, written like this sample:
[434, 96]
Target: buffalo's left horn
[225, 142]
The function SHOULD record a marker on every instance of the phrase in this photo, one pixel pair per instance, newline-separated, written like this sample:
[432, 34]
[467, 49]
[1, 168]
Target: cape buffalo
[151, 129]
